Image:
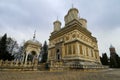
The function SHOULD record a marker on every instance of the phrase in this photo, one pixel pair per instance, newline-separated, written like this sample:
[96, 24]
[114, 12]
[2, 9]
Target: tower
[57, 25]
[112, 49]
[71, 15]
[114, 58]
[83, 22]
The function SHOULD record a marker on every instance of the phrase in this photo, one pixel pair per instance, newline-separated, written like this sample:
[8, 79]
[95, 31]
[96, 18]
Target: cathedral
[73, 45]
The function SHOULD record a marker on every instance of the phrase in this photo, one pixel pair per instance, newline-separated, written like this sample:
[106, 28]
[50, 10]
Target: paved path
[111, 74]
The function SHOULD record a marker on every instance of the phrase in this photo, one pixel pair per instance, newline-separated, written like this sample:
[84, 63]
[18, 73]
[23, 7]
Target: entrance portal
[31, 56]
[58, 54]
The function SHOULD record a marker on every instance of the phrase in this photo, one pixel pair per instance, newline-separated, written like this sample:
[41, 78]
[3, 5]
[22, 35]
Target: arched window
[33, 53]
[91, 53]
[87, 51]
[95, 55]
[58, 54]
[69, 49]
[65, 49]
[80, 47]
[31, 56]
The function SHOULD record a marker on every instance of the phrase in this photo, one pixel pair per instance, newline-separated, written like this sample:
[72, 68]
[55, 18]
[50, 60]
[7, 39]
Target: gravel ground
[108, 74]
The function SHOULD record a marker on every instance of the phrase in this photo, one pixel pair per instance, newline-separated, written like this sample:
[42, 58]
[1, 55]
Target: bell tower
[112, 49]
[57, 25]
[71, 15]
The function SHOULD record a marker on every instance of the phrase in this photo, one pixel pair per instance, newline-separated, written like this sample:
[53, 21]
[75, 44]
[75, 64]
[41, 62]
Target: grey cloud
[19, 18]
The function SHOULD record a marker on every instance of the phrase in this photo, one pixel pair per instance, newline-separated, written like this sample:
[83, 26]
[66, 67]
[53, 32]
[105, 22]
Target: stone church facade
[73, 44]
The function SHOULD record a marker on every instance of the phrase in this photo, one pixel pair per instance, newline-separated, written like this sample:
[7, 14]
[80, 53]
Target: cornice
[73, 25]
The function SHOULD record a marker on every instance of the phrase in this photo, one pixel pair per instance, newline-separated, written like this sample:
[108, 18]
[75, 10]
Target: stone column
[83, 50]
[48, 55]
[72, 49]
[12, 63]
[26, 59]
[17, 62]
[23, 57]
[35, 64]
[76, 47]
[63, 50]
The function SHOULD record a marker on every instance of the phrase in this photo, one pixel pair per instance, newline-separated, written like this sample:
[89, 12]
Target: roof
[34, 42]
[111, 46]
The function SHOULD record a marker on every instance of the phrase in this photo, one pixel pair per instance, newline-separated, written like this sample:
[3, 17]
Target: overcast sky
[20, 18]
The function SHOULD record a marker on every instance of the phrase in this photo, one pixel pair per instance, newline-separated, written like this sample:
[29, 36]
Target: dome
[57, 21]
[57, 25]
[71, 15]
[33, 42]
[111, 46]
[73, 9]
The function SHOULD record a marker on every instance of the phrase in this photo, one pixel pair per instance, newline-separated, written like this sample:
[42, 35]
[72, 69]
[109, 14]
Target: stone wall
[68, 66]
[58, 66]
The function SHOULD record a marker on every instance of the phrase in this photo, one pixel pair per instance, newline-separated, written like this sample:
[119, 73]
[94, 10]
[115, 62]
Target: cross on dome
[111, 46]
[57, 18]
[72, 5]
[34, 35]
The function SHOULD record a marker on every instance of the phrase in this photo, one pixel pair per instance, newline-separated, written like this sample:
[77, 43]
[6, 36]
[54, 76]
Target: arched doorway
[31, 56]
[58, 54]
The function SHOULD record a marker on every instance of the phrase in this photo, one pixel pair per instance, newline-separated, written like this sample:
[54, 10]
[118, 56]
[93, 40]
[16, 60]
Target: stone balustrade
[18, 65]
